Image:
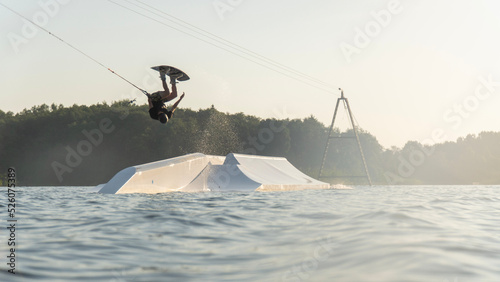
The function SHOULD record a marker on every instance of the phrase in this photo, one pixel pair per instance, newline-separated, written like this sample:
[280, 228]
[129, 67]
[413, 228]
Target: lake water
[380, 233]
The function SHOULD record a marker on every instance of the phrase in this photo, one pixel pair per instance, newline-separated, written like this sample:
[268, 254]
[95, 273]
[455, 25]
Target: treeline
[87, 145]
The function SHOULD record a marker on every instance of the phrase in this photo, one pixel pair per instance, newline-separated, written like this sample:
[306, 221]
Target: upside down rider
[157, 108]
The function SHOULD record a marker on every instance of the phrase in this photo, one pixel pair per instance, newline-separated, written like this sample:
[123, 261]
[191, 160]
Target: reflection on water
[409, 233]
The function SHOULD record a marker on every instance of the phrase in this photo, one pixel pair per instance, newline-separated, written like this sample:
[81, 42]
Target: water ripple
[412, 233]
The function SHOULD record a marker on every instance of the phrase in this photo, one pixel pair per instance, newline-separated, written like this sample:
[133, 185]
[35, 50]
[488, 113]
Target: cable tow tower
[356, 136]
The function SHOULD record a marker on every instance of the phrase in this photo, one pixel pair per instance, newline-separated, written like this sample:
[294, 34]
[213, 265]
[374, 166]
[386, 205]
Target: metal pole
[359, 143]
[328, 138]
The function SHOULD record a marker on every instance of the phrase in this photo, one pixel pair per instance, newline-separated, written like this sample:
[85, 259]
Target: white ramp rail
[198, 172]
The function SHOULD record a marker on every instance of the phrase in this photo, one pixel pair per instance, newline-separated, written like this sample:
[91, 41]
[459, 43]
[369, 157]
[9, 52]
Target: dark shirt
[157, 107]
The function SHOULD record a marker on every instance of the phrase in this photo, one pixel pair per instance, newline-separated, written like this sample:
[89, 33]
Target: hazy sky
[412, 70]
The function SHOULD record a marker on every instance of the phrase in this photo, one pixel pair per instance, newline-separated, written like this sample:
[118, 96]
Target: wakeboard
[168, 70]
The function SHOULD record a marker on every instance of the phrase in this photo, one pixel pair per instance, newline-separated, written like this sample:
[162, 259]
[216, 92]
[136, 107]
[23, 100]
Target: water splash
[218, 136]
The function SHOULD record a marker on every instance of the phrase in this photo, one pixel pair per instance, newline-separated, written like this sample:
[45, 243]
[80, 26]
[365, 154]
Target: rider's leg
[166, 93]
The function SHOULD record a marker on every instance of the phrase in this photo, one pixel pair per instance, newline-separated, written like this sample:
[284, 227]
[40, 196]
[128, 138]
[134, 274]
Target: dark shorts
[153, 112]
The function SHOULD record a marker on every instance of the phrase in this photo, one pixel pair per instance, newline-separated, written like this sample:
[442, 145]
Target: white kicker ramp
[198, 172]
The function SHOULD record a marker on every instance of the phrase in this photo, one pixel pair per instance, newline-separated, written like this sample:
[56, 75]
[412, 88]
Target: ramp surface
[198, 172]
